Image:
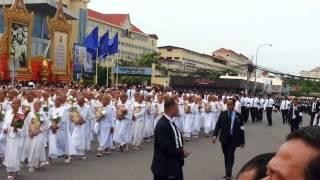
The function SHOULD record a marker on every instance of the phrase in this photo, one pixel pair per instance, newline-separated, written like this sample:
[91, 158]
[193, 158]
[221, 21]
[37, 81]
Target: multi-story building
[75, 12]
[235, 61]
[133, 42]
[314, 73]
[187, 60]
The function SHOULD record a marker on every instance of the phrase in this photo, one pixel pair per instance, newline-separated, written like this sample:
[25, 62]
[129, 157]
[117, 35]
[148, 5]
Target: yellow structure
[235, 61]
[314, 73]
[187, 60]
[133, 42]
[22, 36]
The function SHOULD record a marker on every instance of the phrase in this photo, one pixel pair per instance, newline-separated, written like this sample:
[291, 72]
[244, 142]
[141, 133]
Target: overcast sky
[292, 26]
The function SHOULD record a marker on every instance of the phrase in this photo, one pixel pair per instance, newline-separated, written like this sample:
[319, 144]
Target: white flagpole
[96, 80]
[107, 81]
[117, 80]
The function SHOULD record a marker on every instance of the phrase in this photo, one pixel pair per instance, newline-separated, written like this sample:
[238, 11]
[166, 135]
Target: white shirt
[238, 107]
[177, 134]
[269, 103]
[284, 105]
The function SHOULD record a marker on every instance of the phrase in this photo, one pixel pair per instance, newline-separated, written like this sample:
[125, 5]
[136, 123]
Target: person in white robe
[179, 120]
[122, 131]
[149, 120]
[92, 104]
[37, 124]
[216, 112]
[14, 139]
[104, 126]
[138, 121]
[190, 111]
[197, 117]
[208, 116]
[60, 142]
[3, 110]
[80, 115]
[159, 103]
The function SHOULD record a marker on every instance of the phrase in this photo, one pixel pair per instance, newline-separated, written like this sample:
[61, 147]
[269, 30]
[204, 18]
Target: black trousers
[253, 112]
[313, 114]
[260, 114]
[180, 177]
[246, 114]
[269, 115]
[228, 150]
[294, 125]
[284, 116]
[243, 109]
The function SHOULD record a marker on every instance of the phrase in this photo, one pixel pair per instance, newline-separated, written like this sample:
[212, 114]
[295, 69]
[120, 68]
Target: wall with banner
[83, 66]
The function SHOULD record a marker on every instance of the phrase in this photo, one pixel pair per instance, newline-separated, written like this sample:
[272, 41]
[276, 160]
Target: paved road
[205, 162]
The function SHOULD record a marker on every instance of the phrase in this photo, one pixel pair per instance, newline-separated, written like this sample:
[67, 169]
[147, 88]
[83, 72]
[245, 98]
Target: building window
[169, 50]
[45, 29]
[37, 27]
[1, 21]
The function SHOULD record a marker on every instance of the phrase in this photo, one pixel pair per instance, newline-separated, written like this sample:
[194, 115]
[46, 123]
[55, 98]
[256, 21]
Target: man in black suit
[295, 115]
[169, 155]
[230, 126]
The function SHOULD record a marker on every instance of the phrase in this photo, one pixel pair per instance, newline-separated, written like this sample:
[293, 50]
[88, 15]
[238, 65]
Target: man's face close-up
[290, 161]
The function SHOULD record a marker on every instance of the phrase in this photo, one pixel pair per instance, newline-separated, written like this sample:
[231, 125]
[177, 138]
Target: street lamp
[259, 47]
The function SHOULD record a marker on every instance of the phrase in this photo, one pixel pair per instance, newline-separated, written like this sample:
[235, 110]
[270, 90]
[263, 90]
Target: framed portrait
[19, 44]
[60, 51]
[19, 27]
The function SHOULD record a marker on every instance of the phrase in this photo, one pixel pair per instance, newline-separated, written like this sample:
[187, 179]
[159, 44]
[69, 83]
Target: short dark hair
[310, 135]
[169, 102]
[312, 171]
[233, 100]
[259, 164]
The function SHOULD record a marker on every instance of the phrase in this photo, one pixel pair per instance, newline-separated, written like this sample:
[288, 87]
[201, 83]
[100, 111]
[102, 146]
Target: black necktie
[178, 133]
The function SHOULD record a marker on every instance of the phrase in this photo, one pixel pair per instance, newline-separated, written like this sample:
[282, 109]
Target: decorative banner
[61, 49]
[19, 44]
[4, 73]
[82, 63]
[36, 66]
[133, 70]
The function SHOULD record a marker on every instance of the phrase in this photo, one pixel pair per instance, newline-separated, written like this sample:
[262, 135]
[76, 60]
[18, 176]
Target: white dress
[188, 121]
[138, 124]
[208, 119]
[81, 133]
[60, 143]
[149, 121]
[122, 130]
[104, 136]
[179, 120]
[2, 135]
[36, 151]
[14, 144]
[197, 120]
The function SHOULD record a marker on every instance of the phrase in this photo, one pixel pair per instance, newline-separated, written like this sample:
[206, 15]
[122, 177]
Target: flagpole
[117, 79]
[107, 81]
[96, 80]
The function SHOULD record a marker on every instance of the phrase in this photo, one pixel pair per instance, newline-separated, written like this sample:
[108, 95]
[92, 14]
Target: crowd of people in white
[65, 121]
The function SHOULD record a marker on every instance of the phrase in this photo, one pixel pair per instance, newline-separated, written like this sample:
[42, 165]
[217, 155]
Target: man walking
[284, 109]
[169, 154]
[268, 106]
[295, 116]
[230, 126]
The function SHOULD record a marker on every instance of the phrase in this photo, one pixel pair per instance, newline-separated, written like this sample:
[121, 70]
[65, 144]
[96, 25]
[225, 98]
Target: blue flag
[92, 42]
[114, 45]
[103, 49]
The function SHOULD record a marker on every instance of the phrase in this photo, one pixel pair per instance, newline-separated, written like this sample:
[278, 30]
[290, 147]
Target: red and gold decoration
[60, 51]
[16, 46]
